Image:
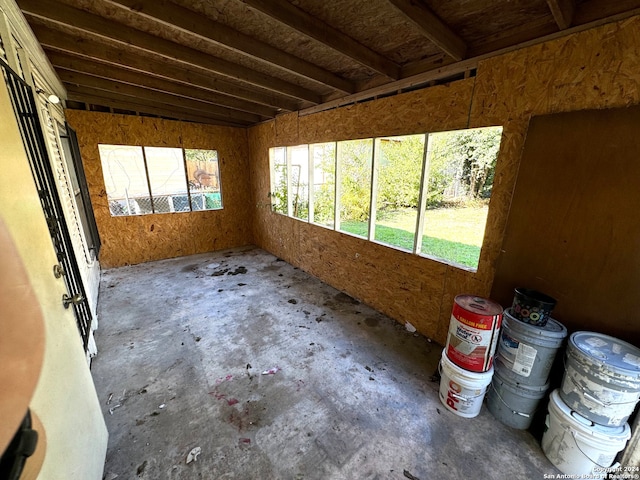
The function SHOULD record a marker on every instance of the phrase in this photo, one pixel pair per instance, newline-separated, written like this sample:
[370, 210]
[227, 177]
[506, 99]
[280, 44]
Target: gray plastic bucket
[512, 404]
[526, 352]
[602, 378]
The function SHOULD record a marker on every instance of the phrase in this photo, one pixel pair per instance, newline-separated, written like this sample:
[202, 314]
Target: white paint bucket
[526, 352]
[513, 404]
[576, 445]
[473, 332]
[462, 391]
[602, 378]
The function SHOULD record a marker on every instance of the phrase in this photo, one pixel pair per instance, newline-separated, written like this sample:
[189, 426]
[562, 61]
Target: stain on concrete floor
[322, 387]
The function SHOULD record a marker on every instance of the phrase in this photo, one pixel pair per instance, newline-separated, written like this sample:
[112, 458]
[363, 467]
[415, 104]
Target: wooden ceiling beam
[175, 16]
[96, 97]
[141, 93]
[73, 18]
[562, 11]
[463, 66]
[299, 20]
[70, 63]
[432, 27]
[56, 41]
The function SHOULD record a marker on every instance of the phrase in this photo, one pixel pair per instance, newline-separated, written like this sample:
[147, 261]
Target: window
[354, 158]
[143, 180]
[71, 153]
[279, 180]
[427, 194]
[397, 189]
[323, 194]
[203, 173]
[298, 166]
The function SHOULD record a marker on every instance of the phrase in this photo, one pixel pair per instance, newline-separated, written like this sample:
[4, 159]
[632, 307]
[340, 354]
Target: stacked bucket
[586, 426]
[529, 342]
[466, 367]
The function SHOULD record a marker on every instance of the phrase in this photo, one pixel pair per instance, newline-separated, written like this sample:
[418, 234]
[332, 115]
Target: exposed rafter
[66, 62]
[168, 13]
[296, 18]
[457, 68]
[92, 96]
[245, 61]
[433, 27]
[56, 41]
[144, 94]
[74, 18]
[562, 11]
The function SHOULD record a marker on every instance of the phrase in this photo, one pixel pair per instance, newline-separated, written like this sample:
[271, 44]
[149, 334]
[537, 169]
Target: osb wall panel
[403, 286]
[594, 69]
[591, 69]
[444, 107]
[143, 238]
[287, 129]
[583, 252]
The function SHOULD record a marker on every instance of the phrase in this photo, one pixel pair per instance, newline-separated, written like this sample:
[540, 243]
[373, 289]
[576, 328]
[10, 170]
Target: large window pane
[125, 179]
[166, 177]
[203, 172]
[279, 191]
[299, 181]
[323, 156]
[354, 173]
[399, 168]
[461, 169]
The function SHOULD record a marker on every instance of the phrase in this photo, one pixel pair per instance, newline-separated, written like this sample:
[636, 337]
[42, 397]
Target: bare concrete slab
[269, 373]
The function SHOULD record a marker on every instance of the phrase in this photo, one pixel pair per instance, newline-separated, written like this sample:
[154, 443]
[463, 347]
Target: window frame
[153, 198]
[425, 173]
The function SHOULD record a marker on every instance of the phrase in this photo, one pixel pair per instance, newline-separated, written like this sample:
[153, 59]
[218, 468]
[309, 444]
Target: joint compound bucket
[602, 378]
[462, 391]
[513, 404]
[473, 332]
[526, 352]
[576, 445]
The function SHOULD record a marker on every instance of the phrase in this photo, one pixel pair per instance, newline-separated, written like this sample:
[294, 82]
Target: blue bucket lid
[601, 349]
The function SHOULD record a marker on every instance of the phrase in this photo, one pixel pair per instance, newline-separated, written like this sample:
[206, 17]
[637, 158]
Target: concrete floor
[184, 345]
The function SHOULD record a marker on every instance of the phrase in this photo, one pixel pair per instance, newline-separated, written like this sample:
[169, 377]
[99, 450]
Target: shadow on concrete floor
[273, 374]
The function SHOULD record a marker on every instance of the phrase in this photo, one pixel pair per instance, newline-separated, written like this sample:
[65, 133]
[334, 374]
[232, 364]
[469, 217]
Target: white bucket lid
[466, 377]
[588, 429]
[614, 354]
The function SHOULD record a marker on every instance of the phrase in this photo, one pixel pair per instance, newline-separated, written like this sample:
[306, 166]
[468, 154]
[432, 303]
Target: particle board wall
[575, 235]
[404, 286]
[593, 69]
[142, 238]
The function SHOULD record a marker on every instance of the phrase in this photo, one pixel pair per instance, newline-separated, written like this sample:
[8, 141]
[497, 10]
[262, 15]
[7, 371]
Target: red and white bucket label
[472, 339]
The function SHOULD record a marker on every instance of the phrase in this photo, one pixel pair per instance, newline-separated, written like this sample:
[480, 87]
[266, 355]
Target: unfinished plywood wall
[584, 253]
[143, 238]
[591, 69]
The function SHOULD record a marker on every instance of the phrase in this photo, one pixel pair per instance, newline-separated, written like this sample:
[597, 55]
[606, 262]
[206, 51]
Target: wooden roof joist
[96, 96]
[562, 11]
[94, 25]
[144, 93]
[204, 28]
[454, 68]
[55, 42]
[65, 63]
[432, 27]
[297, 19]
